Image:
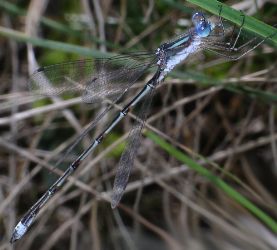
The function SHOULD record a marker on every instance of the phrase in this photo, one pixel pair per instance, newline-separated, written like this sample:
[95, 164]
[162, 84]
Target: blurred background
[222, 114]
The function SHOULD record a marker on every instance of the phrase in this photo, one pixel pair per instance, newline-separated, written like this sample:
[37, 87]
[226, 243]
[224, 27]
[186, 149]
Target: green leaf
[21, 37]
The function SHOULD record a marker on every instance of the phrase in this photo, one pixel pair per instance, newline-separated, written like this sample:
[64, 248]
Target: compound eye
[203, 29]
[202, 26]
[198, 18]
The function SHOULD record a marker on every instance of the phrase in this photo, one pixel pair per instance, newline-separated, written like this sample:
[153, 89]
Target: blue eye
[202, 26]
[203, 29]
[198, 18]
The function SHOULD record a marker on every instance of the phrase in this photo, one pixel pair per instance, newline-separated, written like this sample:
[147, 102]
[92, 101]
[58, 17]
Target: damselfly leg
[224, 41]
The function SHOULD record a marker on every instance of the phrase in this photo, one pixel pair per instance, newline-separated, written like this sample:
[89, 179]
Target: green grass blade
[215, 180]
[21, 37]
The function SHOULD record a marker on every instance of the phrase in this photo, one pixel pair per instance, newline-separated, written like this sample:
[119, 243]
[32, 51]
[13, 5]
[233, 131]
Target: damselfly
[112, 78]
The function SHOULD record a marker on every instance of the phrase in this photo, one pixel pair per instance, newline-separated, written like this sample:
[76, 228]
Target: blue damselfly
[112, 78]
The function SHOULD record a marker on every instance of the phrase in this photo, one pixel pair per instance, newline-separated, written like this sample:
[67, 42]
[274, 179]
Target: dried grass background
[166, 205]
